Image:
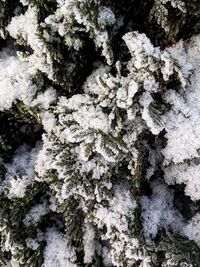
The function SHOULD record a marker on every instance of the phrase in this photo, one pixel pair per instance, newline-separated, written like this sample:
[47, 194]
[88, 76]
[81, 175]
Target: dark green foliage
[180, 249]
[22, 124]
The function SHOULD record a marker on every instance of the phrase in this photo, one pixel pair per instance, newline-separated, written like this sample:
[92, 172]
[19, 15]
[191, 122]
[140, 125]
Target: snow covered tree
[99, 136]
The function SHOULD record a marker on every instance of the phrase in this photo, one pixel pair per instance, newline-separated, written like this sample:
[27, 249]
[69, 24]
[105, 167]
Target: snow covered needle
[100, 135]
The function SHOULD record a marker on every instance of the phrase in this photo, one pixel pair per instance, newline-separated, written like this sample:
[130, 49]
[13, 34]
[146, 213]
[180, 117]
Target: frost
[183, 136]
[106, 17]
[20, 173]
[70, 12]
[15, 81]
[45, 99]
[192, 229]
[89, 243]
[158, 211]
[181, 123]
[91, 118]
[145, 101]
[114, 220]
[32, 243]
[91, 86]
[48, 121]
[24, 2]
[101, 144]
[57, 253]
[160, 12]
[187, 174]
[25, 28]
[141, 44]
[43, 161]
[35, 214]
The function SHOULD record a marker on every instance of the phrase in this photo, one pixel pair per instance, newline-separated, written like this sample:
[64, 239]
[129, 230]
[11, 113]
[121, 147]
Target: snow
[192, 229]
[89, 243]
[72, 12]
[90, 140]
[32, 243]
[189, 174]
[25, 29]
[48, 121]
[181, 153]
[45, 99]
[20, 173]
[145, 101]
[141, 43]
[158, 211]
[160, 11]
[35, 213]
[106, 17]
[114, 219]
[92, 118]
[57, 253]
[15, 81]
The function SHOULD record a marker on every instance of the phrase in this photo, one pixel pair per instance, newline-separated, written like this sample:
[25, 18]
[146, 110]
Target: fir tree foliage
[99, 116]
